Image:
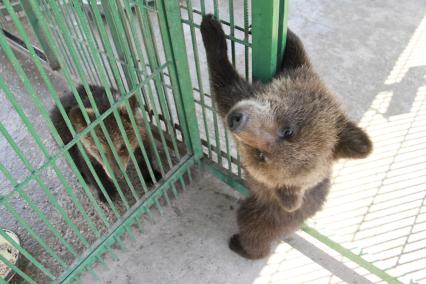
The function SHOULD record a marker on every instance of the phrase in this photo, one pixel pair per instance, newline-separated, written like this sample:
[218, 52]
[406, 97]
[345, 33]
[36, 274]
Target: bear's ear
[77, 118]
[352, 142]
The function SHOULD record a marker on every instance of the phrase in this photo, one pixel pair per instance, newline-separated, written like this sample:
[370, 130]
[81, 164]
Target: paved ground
[372, 54]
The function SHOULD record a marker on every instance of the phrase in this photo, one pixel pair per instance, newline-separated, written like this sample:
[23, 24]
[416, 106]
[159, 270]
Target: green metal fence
[148, 50]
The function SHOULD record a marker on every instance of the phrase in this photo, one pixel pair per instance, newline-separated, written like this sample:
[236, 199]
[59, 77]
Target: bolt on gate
[146, 50]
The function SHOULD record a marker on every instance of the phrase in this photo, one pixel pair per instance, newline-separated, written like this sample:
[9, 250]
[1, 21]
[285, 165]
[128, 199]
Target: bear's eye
[286, 133]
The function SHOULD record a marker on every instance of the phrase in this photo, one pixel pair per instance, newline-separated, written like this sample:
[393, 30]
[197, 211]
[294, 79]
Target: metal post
[269, 30]
[175, 49]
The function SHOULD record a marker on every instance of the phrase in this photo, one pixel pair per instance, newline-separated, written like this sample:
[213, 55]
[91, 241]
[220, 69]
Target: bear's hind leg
[258, 227]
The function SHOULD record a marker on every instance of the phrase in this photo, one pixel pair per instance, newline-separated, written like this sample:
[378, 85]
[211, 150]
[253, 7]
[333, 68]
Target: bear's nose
[237, 120]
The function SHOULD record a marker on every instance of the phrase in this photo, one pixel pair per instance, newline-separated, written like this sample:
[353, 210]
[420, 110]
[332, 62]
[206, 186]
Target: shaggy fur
[77, 120]
[294, 129]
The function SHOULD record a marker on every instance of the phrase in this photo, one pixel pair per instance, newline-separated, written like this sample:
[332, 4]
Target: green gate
[141, 48]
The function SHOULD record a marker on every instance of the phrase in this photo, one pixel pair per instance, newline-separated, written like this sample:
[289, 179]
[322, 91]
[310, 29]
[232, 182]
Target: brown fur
[287, 175]
[76, 117]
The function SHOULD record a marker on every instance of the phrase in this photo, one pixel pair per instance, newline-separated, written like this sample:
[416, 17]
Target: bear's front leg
[227, 86]
[259, 225]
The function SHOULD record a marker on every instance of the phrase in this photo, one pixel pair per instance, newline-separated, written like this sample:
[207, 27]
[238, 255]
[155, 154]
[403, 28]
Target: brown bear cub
[288, 132]
[77, 120]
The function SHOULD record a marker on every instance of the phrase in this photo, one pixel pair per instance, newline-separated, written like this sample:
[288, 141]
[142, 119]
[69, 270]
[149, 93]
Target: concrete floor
[372, 54]
[188, 244]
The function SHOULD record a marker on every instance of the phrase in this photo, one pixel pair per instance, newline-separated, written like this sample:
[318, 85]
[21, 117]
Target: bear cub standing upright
[288, 132]
[76, 117]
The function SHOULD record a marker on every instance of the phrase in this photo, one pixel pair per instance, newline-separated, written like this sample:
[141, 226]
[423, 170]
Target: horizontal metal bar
[234, 39]
[230, 179]
[195, 11]
[350, 255]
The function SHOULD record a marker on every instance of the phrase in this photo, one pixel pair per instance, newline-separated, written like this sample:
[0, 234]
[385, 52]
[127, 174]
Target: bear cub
[288, 132]
[79, 123]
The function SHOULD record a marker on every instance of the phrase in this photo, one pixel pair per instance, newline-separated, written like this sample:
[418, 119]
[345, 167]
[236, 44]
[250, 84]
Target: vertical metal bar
[214, 112]
[232, 29]
[173, 37]
[282, 32]
[268, 27]
[199, 75]
[246, 36]
[34, 22]
[153, 58]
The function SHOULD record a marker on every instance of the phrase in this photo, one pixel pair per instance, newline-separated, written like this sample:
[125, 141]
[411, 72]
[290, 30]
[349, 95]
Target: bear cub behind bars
[78, 121]
[288, 132]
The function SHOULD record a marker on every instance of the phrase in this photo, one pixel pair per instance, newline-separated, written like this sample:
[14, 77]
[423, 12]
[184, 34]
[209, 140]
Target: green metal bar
[142, 207]
[153, 59]
[230, 37]
[246, 37]
[282, 32]
[350, 255]
[268, 26]
[203, 7]
[232, 28]
[216, 9]
[85, 59]
[175, 49]
[141, 11]
[225, 176]
[34, 22]
[199, 76]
